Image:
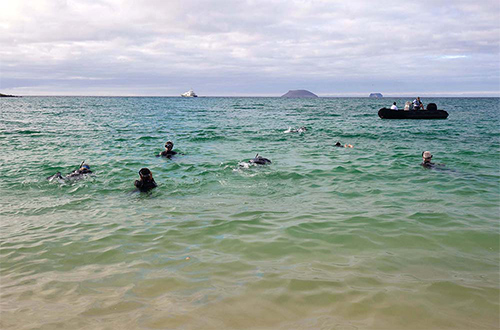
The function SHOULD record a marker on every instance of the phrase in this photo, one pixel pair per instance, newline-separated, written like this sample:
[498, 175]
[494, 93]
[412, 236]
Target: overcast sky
[332, 48]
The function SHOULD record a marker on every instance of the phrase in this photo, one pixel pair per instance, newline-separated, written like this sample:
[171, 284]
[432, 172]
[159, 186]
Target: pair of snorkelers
[146, 181]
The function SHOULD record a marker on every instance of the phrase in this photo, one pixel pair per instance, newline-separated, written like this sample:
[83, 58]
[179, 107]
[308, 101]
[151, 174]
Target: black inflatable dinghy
[431, 113]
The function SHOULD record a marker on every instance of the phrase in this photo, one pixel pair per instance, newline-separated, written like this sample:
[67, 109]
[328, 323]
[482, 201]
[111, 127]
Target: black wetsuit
[259, 160]
[145, 184]
[77, 174]
[168, 154]
[428, 164]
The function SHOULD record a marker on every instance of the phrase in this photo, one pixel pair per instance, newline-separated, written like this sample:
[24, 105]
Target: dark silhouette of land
[299, 93]
[6, 95]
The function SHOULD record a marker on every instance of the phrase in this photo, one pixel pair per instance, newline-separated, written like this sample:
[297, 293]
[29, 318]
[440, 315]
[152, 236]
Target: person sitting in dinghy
[394, 106]
[417, 104]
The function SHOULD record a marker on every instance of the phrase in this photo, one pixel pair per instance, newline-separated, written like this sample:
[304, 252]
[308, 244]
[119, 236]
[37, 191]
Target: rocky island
[299, 93]
[6, 95]
[376, 95]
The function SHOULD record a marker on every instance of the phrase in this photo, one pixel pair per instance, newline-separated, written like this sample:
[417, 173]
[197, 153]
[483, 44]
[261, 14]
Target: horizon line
[461, 95]
[490, 93]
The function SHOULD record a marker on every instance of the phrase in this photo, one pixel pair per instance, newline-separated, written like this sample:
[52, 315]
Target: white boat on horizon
[189, 93]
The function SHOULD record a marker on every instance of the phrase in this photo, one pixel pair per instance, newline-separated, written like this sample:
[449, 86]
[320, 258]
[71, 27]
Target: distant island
[376, 95]
[299, 93]
[6, 95]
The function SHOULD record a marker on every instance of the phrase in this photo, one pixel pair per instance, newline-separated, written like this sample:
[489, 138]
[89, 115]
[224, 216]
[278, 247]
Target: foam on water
[323, 237]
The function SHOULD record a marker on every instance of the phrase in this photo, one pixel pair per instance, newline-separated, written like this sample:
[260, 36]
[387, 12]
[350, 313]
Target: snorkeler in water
[257, 160]
[80, 173]
[146, 181]
[426, 160]
[298, 130]
[168, 152]
[339, 145]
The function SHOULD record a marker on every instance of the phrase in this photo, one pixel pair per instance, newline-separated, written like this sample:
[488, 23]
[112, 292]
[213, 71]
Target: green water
[323, 238]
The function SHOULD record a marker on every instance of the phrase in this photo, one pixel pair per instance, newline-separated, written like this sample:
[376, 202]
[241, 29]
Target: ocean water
[323, 238]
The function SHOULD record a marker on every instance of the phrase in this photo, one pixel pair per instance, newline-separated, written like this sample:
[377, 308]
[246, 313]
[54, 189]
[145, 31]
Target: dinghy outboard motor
[432, 107]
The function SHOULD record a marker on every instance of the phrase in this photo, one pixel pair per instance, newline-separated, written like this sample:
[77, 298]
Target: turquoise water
[323, 238]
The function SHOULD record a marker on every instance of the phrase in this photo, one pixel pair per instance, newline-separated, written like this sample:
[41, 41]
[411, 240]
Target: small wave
[366, 115]
[246, 108]
[23, 132]
[286, 175]
[147, 138]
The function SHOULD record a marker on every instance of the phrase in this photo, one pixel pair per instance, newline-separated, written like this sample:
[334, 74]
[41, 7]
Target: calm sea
[323, 238]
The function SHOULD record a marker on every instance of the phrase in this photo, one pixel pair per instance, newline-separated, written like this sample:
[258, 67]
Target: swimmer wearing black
[75, 175]
[259, 160]
[84, 169]
[426, 160]
[168, 152]
[339, 145]
[146, 182]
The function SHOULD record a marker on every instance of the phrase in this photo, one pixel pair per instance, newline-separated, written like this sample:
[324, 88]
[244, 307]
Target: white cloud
[207, 43]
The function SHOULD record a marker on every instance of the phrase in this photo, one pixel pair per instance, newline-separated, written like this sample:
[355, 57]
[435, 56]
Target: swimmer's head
[338, 144]
[427, 156]
[145, 173]
[84, 167]
[169, 145]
